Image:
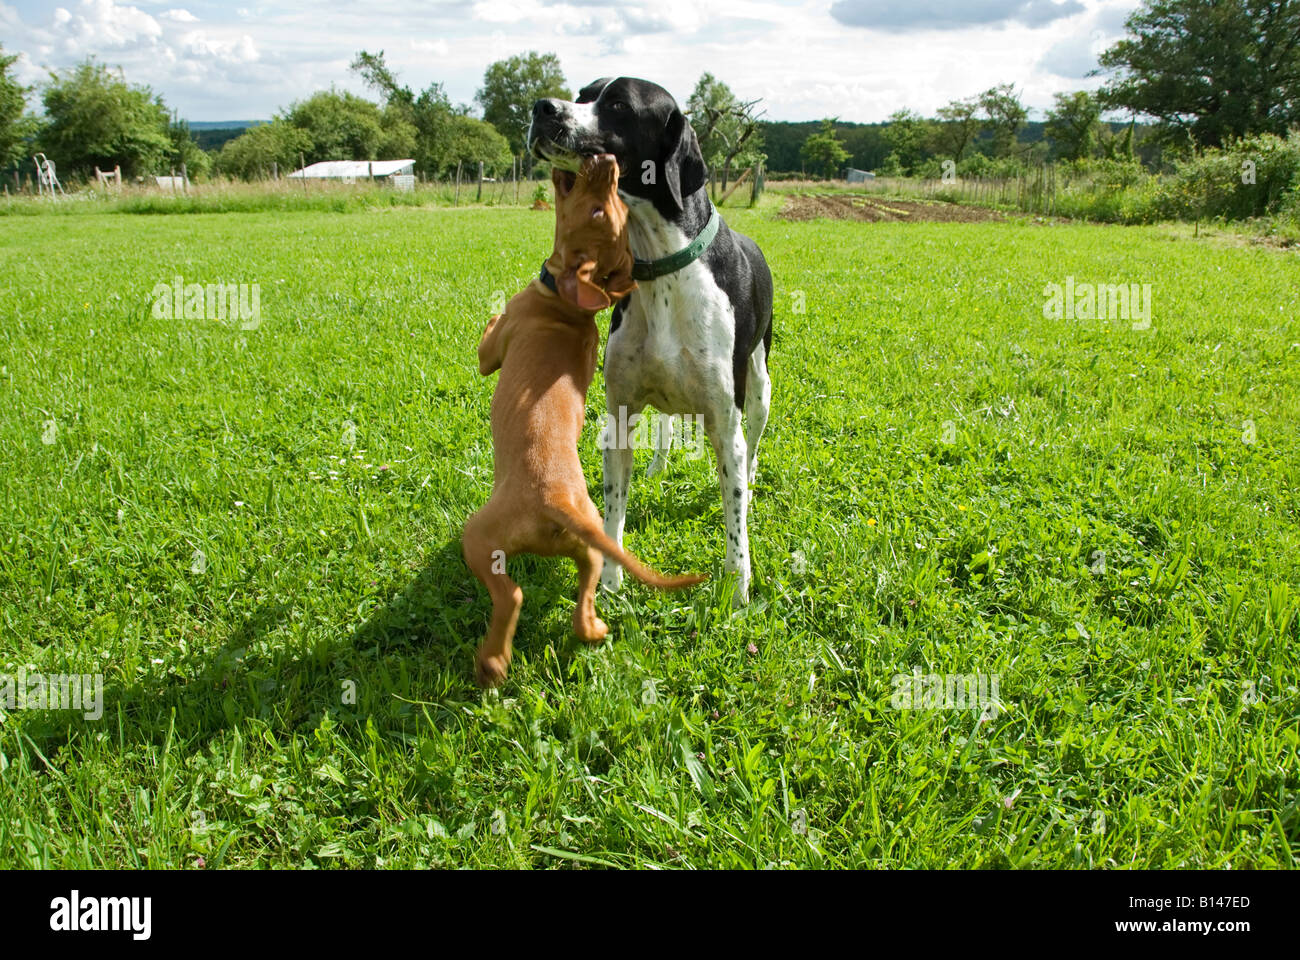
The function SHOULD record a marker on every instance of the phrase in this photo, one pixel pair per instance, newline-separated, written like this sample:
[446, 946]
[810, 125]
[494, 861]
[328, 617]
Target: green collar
[653, 269]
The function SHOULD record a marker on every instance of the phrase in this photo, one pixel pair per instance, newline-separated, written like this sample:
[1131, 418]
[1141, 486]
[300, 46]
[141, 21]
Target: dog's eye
[618, 106]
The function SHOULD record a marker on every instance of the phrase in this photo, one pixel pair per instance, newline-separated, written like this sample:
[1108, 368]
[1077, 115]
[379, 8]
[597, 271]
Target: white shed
[350, 170]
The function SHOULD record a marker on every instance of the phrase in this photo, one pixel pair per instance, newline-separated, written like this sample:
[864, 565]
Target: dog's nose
[542, 109]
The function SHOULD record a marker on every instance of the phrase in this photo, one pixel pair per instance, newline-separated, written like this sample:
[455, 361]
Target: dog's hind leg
[586, 625]
[485, 549]
[663, 443]
[758, 401]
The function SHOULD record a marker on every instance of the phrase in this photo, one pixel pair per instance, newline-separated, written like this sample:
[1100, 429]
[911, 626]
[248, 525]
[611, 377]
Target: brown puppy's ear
[563, 182]
[575, 286]
[620, 279]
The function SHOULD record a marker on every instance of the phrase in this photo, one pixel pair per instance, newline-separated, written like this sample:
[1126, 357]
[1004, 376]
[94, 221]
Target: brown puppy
[545, 347]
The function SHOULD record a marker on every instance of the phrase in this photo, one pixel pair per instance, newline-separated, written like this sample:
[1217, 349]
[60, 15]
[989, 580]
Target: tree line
[980, 134]
[1197, 73]
[93, 117]
[1202, 74]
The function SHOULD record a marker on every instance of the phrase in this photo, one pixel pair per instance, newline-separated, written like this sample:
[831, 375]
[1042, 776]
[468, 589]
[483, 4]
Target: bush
[1110, 174]
[890, 167]
[1217, 183]
[982, 166]
[1290, 205]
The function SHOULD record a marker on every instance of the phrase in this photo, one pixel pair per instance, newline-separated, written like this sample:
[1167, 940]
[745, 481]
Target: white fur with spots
[673, 351]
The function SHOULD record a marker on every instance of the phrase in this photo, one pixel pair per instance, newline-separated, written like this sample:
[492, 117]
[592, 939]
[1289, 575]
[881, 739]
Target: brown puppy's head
[591, 263]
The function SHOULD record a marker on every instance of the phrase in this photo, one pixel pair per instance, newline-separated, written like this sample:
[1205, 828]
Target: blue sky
[856, 59]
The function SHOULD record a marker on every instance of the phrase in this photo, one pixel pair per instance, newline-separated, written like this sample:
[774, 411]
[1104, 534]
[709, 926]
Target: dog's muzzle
[558, 156]
[553, 134]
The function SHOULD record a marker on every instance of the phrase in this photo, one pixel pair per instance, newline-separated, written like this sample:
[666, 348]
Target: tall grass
[224, 196]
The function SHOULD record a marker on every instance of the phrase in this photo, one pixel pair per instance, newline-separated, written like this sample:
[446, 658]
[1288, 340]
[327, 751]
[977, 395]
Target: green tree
[906, 136]
[727, 128]
[1004, 115]
[435, 123]
[823, 150]
[15, 128]
[97, 119]
[471, 140]
[511, 86]
[398, 116]
[956, 128]
[1117, 146]
[374, 70]
[250, 155]
[1073, 123]
[431, 118]
[1209, 70]
[185, 152]
[339, 126]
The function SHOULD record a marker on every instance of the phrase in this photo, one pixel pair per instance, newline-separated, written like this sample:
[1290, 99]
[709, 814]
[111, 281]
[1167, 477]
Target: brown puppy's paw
[590, 631]
[490, 671]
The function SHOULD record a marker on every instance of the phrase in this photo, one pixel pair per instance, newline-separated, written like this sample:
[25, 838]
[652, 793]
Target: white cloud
[801, 60]
[99, 24]
[238, 50]
[1073, 55]
[501, 11]
[910, 15]
[436, 47]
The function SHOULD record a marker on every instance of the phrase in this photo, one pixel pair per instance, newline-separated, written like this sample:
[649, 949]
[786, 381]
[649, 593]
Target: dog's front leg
[728, 437]
[491, 348]
[618, 478]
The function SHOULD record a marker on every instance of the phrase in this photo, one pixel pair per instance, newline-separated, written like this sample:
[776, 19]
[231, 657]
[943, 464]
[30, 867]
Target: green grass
[942, 472]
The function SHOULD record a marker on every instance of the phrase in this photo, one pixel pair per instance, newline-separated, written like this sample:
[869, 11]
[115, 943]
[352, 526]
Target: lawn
[253, 535]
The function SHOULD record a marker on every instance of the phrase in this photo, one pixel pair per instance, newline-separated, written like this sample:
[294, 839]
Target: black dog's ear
[592, 90]
[683, 162]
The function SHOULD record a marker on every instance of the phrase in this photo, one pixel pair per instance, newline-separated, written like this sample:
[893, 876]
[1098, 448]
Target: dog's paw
[740, 596]
[657, 465]
[591, 631]
[490, 671]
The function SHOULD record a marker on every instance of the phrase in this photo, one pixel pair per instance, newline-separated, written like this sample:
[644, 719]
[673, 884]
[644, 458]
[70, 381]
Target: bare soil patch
[880, 209]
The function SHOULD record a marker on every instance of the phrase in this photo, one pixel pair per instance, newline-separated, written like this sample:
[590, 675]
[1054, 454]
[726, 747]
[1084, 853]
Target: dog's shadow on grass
[412, 653]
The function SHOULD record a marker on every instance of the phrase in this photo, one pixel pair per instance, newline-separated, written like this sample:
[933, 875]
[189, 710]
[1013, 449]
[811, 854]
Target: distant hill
[223, 124]
[211, 134]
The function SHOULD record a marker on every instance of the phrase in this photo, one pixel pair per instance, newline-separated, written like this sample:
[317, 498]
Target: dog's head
[635, 120]
[591, 263]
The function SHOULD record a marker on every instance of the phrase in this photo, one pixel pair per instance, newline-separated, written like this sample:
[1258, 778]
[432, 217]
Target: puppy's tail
[593, 536]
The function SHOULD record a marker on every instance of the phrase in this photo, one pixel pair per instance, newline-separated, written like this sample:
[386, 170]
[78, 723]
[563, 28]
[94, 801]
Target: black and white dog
[692, 339]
